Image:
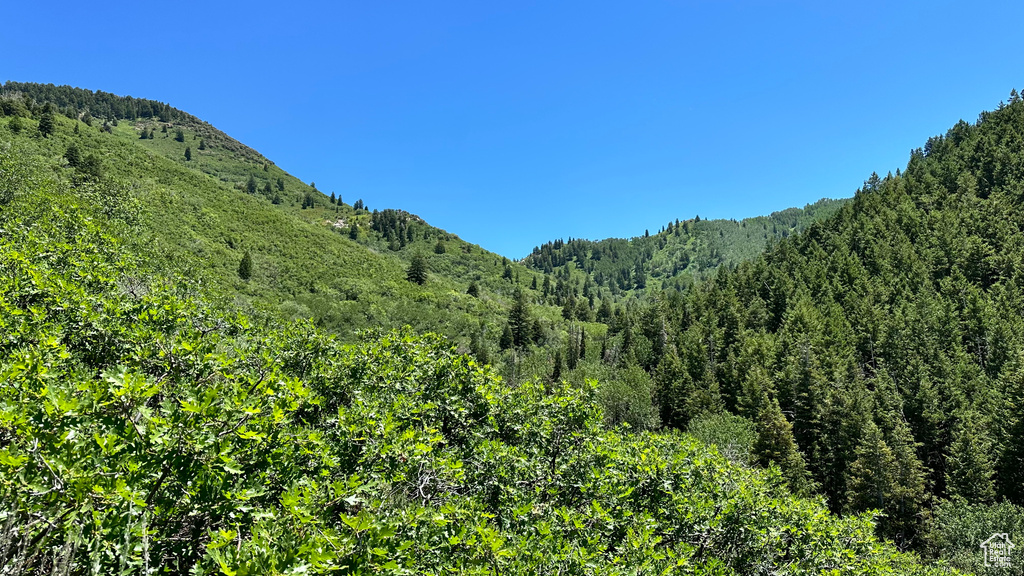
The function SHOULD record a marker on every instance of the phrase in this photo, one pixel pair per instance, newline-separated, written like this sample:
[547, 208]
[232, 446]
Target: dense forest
[857, 363]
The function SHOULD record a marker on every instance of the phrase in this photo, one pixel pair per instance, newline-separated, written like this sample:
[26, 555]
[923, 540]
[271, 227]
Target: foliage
[144, 430]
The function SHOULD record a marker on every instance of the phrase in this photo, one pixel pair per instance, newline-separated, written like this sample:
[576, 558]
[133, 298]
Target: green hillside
[680, 253]
[146, 429]
[883, 346]
[343, 265]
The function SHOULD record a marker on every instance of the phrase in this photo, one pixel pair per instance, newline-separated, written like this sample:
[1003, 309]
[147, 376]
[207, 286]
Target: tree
[245, 266]
[334, 199]
[775, 443]
[188, 153]
[73, 156]
[202, 144]
[969, 465]
[439, 247]
[556, 372]
[179, 135]
[46, 125]
[519, 320]
[417, 270]
[280, 182]
[473, 290]
[250, 185]
[505, 342]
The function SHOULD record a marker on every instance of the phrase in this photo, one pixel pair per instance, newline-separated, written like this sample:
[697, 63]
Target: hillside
[885, 341]
[145, 429]
[339, 263]
[680, 253]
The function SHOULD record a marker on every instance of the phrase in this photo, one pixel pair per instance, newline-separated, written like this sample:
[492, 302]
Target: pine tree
[439, 247]
[556, 372]
[250, 185]
[505, 342]
[970, 470]
[775, 443]
[202, 144]
[46, 124]
[417, 270]
[280, 183]
[179, 135]
[188, 153]
[519, 320]
[334, 200]
[73, 156]
[473, 290]
[245, 266]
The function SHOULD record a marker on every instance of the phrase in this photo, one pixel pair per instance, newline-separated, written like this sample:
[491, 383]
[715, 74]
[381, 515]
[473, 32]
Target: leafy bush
[733, 435]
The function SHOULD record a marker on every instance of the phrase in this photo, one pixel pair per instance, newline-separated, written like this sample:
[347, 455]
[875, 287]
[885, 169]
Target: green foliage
[245, 266]
[958, 529]
[188, 153]
[733, 435]
[46, 125]
[146, 431]
[418, 270]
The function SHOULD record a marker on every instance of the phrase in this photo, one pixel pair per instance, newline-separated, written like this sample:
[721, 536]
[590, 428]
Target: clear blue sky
[514, 123]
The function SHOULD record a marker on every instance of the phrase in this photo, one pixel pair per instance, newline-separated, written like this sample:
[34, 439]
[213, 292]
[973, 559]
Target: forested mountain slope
[887, 340]
[678, 254]
[144, 429]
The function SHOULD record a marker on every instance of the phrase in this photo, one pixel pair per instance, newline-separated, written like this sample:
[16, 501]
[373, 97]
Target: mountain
[156, 415]
[885, 342]
[680, 253]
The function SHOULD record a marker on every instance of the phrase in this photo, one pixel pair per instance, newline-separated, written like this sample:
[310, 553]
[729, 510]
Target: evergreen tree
[73, 156]
[267, 189]
[473, 290]
[775, 443]
[250, 185]
[179, 135]
[280, 183]
[439, 247]
[506, 341]
[353, 231]
[519, 320]
[417, 270]
[245, 266]
[188, 153]
[556, 372]
[46, 124]
[334, 200]
[202, 144]
[970, 470]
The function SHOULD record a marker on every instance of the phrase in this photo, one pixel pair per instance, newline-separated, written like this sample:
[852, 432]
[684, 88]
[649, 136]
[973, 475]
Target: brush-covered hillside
[147, 427]
[262, 241]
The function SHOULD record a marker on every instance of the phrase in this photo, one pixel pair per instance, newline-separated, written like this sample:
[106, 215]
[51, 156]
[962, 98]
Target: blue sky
[514, 123]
